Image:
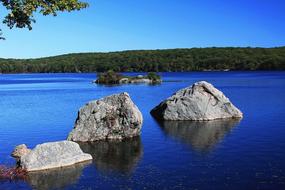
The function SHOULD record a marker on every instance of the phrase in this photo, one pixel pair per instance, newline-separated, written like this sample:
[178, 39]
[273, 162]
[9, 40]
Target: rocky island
[110, 77]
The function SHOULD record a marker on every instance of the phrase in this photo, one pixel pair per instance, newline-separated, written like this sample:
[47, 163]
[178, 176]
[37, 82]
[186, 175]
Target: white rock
[141, 80]
[124, 81]
[113, 117]
[53, 155]
[201, 101]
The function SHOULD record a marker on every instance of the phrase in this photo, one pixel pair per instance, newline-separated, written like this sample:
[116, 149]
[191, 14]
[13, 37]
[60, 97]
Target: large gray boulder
[53, 155]
[113, 117]
[199, 102]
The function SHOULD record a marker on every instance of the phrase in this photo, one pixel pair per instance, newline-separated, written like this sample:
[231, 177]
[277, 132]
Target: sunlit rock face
[114, 117]
[53, 155]
[202, 136]
[115, 156]
[59, 178]
[199, 102]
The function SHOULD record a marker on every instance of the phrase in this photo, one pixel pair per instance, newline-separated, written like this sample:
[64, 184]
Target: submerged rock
[53, 155]
[113, 117]
[201, 101]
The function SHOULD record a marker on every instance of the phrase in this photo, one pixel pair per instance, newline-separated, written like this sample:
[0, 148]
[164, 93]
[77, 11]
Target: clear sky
[115, 25]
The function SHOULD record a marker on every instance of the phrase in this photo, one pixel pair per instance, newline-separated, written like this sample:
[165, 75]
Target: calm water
[245, 154]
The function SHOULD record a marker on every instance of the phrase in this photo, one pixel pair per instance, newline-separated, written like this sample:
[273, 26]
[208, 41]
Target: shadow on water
[56, 178]
[202, 136]
[115, 156]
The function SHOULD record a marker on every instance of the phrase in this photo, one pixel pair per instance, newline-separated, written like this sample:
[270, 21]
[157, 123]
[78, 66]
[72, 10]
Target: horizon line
[128, 50]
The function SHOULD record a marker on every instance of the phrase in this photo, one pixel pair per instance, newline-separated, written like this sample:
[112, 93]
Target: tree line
[171, 60]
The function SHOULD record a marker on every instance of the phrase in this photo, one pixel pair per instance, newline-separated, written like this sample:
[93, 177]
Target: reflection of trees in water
[56, 178]
[202, 136]
[119, 156]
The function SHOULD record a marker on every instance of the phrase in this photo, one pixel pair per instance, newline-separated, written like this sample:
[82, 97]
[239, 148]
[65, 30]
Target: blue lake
[245, 154]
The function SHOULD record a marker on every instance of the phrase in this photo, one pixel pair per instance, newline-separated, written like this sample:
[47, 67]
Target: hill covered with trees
[194, 59]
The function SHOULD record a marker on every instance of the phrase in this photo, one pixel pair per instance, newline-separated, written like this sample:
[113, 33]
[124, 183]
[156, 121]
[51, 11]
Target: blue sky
[115, 25]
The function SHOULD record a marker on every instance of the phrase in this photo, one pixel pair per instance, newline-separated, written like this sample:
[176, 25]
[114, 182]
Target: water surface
[239, 154]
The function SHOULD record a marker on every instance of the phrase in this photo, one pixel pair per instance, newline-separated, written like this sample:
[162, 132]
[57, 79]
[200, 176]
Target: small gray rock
[124, 81]
[53, 155]
[141, 80]
[200, 102]
[113, 117]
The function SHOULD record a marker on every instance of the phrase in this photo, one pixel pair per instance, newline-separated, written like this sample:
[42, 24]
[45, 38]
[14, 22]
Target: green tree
[195, 59]
[153, 76]
[109, 77]
[20, 12]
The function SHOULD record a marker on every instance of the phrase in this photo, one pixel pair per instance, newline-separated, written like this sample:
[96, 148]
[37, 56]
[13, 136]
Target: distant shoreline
[249, 71]
[171, 60]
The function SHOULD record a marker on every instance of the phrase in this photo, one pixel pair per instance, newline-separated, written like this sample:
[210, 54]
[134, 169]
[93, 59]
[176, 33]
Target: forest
[170, 60]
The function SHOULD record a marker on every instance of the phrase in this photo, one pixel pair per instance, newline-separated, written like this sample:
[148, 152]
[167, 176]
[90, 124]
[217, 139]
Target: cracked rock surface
[112, 117]
[199, 102]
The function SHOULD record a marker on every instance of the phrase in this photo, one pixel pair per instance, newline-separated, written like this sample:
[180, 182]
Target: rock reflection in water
[115, 156]
[56, 178]
[202, 136]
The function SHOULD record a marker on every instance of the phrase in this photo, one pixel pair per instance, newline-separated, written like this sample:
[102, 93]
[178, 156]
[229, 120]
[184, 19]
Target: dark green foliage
[154, 77]
[109, 77]
[195, 59]
[20, 12]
